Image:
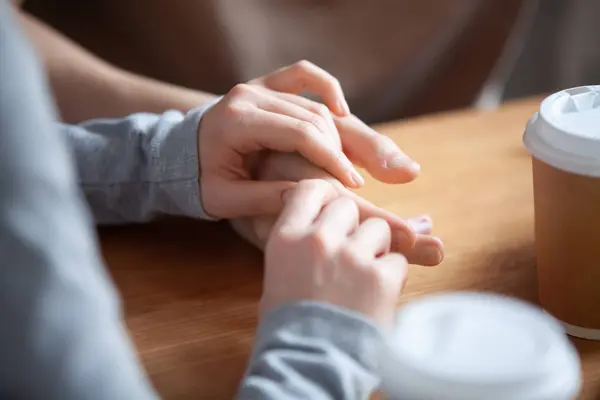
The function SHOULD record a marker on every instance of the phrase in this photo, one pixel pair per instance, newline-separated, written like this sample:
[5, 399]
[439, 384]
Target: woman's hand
[255, 117]
[409, 236]
[321, 250]
[267, 114]
[363, 145]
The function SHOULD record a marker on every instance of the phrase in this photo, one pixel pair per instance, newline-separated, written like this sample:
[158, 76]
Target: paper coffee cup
[475, 346]
[564, 140]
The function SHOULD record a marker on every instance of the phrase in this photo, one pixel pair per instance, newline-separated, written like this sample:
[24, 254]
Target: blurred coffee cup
[475, 346]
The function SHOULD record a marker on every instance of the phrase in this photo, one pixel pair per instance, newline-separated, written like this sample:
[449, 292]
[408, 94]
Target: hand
[319, 250]
[409, 236]
[377, 153]
[364, 146]
[252, 118]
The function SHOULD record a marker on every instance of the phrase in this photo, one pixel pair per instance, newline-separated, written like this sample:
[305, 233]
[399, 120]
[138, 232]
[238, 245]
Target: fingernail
[403, 162]
[420, 225]
[356, 177]
[423, 218]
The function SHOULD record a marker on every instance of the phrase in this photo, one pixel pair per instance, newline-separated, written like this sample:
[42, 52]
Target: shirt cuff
[346, 330]
[180, 150]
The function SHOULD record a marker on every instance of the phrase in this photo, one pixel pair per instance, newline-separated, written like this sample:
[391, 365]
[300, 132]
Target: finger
[338, 219]
[402, 233]
[304, 75]
[279, 104]
[244, 198]
[377, 153]
[271, 131]
[428, 251]
[315, 107]
[372, 238]
[394, 267]
[303, 205]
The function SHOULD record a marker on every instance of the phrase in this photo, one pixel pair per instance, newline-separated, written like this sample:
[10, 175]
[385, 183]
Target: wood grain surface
[190, 289]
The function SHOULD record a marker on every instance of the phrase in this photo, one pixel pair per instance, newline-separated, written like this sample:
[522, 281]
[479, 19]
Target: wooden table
[191, 289]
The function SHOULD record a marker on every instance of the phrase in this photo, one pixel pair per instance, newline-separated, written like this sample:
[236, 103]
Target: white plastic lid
[474, 346]
[566, 131]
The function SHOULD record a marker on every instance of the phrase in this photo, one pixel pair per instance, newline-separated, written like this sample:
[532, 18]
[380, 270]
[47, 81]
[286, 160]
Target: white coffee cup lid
[565, 133]
[473, 346]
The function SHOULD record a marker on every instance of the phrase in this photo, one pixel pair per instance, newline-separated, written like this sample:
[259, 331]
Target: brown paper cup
[567, 231]
[564, 140]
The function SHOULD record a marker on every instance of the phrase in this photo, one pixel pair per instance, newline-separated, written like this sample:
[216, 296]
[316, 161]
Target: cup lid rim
[546, 373]
[561, 145]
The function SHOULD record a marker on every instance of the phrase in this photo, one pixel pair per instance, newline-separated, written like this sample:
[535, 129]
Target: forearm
[86, 87]
[313, 351]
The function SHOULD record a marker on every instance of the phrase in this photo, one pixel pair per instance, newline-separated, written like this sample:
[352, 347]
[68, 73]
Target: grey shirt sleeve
[62, 334]
[135, 168]
[61, 331]
[311, 350]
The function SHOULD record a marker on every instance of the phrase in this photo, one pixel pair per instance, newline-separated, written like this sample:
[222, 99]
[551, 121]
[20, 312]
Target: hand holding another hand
[266, 114]
[410, 236]
[320, 250]
[252, 118]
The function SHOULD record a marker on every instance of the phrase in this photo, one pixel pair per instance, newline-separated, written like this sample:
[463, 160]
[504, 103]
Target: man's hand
[320, 250]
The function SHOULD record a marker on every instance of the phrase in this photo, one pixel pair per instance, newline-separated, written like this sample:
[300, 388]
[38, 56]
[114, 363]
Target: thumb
[243, 198]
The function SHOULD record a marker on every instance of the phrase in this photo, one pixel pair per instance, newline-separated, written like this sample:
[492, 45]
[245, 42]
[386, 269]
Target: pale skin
[320, 250]
[255, 107]
[86, 87]
[421, 248]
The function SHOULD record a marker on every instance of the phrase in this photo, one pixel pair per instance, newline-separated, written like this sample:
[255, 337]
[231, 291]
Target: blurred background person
[394, 58]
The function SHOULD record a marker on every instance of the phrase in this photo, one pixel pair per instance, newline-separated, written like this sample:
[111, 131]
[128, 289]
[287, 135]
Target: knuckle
[349, 206]
[319, 243]
[322, 110]
[348, 256]
[379, 224]
[283, 237]
[319, 122]
[233, 110]
[304, 65]
[305, 131]
[241, 89]
[335, 82]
